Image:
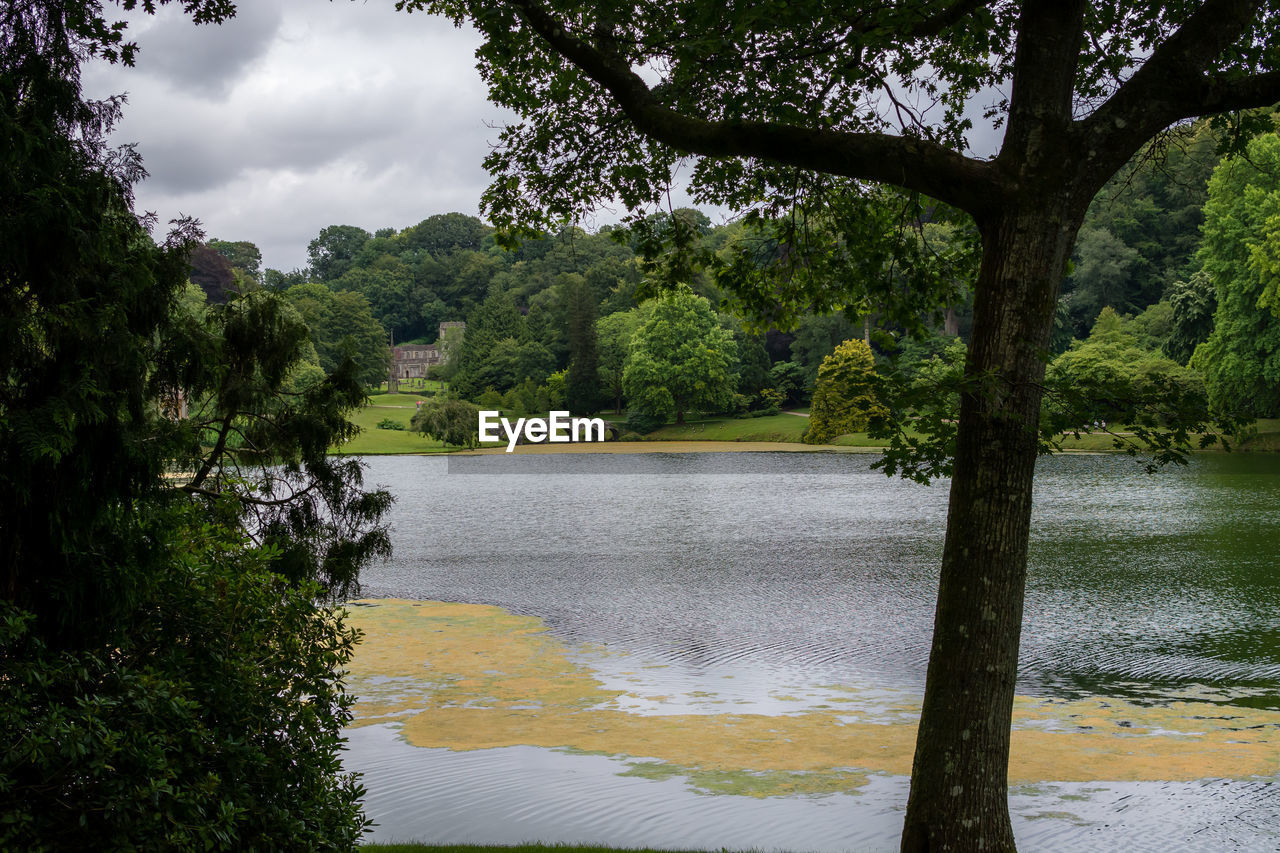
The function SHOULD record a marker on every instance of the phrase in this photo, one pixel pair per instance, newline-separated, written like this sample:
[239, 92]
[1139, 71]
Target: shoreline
[674, 446]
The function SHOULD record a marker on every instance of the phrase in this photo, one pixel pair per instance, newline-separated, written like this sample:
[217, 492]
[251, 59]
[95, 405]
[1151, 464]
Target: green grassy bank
[373, 441]
[785, 427]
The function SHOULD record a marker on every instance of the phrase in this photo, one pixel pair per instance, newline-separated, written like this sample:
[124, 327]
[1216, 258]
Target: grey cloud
[313, 114]
[206, 60]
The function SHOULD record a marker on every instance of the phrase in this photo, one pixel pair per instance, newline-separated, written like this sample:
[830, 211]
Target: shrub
[214, 724]
[390, 423]
[454, 422]
[844, 400]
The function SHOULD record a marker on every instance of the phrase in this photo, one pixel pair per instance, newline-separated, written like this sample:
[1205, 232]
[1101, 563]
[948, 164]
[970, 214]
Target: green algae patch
[464, 677]
[752, 783]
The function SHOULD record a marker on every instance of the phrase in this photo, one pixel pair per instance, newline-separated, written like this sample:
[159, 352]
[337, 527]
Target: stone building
[412, 361]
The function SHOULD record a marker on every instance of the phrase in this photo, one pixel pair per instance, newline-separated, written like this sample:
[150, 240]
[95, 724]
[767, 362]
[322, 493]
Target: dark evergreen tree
[582, 387]
[170, 679]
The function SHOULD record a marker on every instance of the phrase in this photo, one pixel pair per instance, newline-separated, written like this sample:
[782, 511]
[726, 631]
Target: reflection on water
[746, 583]
[520, 794]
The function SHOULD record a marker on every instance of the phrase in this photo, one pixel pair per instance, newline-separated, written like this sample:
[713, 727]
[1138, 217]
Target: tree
[1104, 275]
[446, 233]
[1113, 379]
[788, 379]
[451, 421]
[1193, 302]
[171, 675]
[1154, 205]
[681, 358]
[495, 319]
[213, 273]
[510, 361]
[1240, 360]
[582, 384]
[844, 400]
[816, 337]
[241, 254]
[333, 251]
[341, 326]
[790, 106]
[614, 333]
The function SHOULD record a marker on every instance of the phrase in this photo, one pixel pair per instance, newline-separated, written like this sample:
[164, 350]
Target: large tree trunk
[959, 781]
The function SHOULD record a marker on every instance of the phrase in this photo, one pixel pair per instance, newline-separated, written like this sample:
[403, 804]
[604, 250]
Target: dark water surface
[795, 570]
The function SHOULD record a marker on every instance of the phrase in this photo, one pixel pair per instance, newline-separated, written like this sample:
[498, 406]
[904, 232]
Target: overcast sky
[298, 114]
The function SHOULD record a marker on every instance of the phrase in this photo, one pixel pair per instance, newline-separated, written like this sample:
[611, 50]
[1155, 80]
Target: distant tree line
[563, 319]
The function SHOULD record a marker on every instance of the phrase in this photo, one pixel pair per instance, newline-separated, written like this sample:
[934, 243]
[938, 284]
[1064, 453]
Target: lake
[727, 650]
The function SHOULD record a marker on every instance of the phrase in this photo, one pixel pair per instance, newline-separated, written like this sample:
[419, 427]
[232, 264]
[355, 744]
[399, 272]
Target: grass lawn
[1262, 436]
[412, 385]
[1266, 437]
[780, 427]
[373, 441]
[783, 427]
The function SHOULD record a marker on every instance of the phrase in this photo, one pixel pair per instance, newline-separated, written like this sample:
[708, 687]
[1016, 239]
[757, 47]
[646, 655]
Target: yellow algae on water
[464, 676]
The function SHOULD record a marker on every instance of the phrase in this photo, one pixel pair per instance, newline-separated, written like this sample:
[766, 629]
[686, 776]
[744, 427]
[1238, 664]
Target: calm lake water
[742, 577]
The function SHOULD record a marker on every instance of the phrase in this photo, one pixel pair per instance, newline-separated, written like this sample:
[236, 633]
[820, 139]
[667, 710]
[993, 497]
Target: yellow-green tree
[844, 400]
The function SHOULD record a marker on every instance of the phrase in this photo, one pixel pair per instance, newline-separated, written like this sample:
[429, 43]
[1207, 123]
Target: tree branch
[216, 453]
[1050, 33]
[905, 161]
[1175, 82]
[249, 500]
[926, 26]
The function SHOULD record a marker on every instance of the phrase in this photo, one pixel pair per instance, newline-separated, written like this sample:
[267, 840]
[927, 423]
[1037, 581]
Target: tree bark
[959, 780]
[950, 322]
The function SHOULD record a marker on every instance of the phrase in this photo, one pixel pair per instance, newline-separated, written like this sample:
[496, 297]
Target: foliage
[1112, 382]
[881, 251]
[213, 722]
[455, 422]
[845, 399]
[788, 379]
[333, 252]
[246, 425]
[644, 423]
[922, 389]
[1193, 303]
[816, 337]
[1102, 277]
[681, 358]
[753, 359]
[496, 319]
[614, 333]
[242, 255]
[1240, 360]
[390, 423]
[342, 326]
[167, 684]
[582, 385]
[1152, 207]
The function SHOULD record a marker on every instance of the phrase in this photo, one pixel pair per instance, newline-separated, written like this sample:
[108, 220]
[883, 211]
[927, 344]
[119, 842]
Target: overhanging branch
[909, 162]
[1177, 81]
